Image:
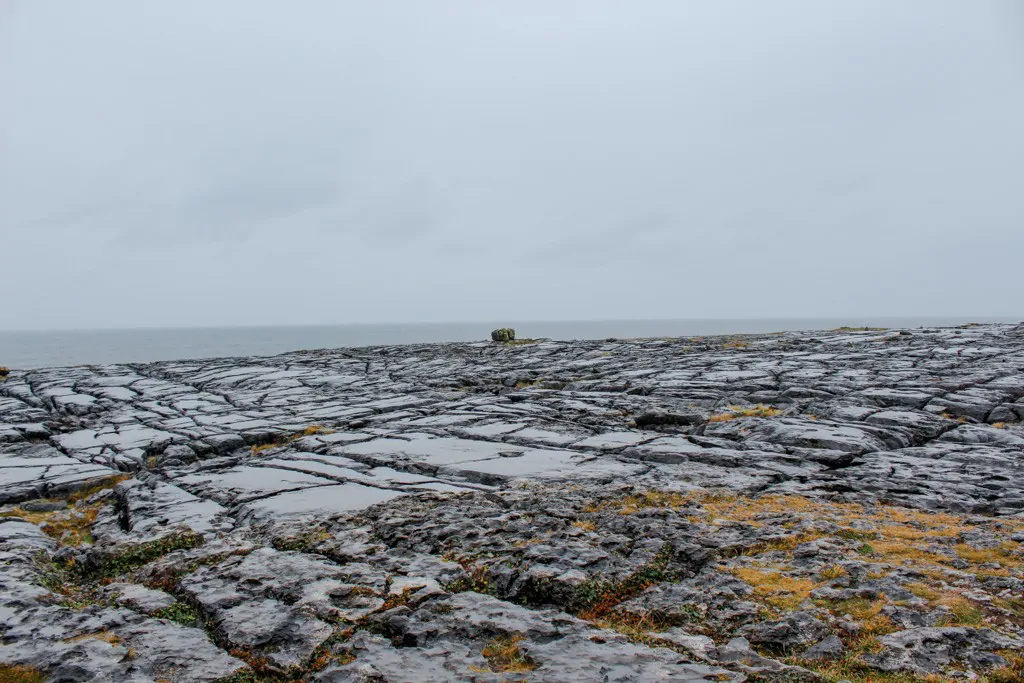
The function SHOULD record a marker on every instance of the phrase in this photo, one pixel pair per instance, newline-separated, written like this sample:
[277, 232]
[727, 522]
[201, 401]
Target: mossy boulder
[504, 334]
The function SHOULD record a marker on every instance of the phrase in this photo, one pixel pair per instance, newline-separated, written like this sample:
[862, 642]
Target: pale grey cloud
[260, 162]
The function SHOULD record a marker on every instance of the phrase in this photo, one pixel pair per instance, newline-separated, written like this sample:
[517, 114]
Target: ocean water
[36, 349]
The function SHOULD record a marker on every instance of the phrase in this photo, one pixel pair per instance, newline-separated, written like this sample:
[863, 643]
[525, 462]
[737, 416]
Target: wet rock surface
[843, 505]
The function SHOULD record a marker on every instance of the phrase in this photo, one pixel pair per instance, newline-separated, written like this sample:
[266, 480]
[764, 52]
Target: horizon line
[844, 318]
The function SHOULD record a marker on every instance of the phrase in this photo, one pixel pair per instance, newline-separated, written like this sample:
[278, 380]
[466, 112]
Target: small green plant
[180, 612]
[304, 542]
[477, 579]
[595, 598]
[135, 556]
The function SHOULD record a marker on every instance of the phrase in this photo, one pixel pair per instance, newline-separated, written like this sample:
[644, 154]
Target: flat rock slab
[42, 472]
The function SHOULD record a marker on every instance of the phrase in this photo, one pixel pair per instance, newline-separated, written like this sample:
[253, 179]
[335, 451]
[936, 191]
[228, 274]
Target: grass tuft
[775, 588]
[180, 612]
[285, 439]
[736, 412]
[135, 556]
[16, 673]
[644, 500]
[504, 655]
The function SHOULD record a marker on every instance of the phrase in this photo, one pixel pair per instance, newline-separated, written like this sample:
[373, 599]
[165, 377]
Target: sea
[36, 349]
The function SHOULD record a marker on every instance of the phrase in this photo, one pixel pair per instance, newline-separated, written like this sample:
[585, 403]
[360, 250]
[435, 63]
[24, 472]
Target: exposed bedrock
[840, 505]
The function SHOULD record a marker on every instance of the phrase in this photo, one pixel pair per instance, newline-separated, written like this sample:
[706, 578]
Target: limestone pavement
[841, 505]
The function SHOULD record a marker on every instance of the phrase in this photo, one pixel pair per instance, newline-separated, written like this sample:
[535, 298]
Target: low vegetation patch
[477, 577]
[127, 559]
[585, 525]
[504, 655]
[736, 412]
[596, 598]
[644, 500]
[71, 526]
[775, 588]
[304, 542]
[180, 612]
[925, 552]
[285, 439]
[16, 673]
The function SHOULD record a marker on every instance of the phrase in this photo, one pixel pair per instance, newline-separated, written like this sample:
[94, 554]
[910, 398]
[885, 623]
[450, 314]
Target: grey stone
[738, 653]
[44, 505]
[796, 628]
[828, 648]
[930, 650]
[284, 636]
[138, 597]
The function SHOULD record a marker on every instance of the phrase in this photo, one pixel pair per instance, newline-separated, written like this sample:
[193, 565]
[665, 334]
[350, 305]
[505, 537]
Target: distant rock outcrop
[503, 334]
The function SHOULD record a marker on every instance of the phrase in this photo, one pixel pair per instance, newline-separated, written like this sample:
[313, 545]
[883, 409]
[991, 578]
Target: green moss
[180, 612]
[135, 556]
[477, 579]
[304, 542]
[595, 598]
[245, 676]
[56, 578]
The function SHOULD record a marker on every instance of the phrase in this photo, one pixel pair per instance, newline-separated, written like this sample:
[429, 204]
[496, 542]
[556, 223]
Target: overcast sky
[244, 162]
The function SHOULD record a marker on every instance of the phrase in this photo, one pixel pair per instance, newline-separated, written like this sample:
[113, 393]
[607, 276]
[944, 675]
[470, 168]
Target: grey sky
[241, 162]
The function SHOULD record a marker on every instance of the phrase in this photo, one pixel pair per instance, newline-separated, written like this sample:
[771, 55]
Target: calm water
[25, 350]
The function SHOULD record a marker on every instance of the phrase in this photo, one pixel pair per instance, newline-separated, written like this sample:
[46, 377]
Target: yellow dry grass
[72, 525]
[962, 612]
[775, 588]
[284, 440]
[831, 572]
[316, 429]
[736, 412]
[16, 673]
[504, 655]
[644, 500]
[105, 636]
[1008, 553]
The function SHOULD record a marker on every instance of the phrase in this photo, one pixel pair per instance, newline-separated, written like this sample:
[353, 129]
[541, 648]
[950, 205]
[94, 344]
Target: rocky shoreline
[826, 506]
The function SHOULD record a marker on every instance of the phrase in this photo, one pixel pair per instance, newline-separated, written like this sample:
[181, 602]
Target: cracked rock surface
[826, 506]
